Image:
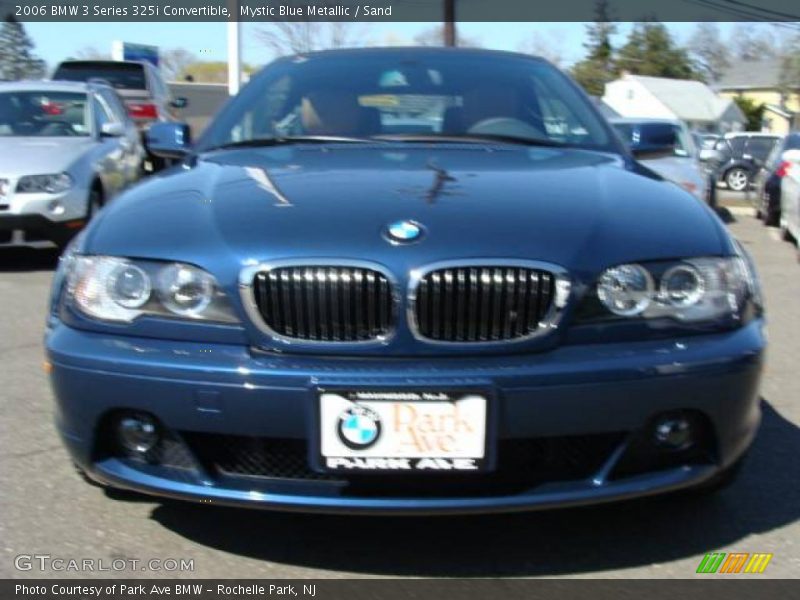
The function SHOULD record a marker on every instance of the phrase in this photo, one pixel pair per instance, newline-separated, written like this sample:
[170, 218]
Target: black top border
[779, 11]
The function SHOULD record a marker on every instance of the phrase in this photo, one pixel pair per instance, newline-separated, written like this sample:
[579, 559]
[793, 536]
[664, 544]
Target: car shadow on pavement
[20, 258]
[591, 539]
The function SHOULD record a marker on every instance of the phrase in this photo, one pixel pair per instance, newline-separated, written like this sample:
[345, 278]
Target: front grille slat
[486, 303]
[325, 303]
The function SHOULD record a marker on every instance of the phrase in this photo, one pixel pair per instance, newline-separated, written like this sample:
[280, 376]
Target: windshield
[44, 114]
[407, 94]
[122, 76]
[684, 145]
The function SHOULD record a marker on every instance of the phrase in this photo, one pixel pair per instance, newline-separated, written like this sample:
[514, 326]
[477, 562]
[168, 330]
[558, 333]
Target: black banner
[397, 10]
[389, 589]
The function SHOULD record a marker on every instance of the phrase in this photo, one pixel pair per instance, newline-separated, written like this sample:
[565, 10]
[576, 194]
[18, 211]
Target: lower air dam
[401, 464]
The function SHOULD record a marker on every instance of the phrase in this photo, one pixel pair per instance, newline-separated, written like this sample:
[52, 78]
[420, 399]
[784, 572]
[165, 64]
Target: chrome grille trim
[490, 301]
[321, 301]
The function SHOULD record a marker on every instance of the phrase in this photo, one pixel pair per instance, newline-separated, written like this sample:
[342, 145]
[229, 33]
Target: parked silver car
[790, 198]
[683, 166]
[65, 149]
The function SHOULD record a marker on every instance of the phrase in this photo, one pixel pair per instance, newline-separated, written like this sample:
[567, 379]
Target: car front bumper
[591, 399]
[31, 218]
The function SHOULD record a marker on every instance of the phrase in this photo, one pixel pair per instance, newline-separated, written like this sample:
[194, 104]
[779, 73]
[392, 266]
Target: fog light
[674, 433]
[138, 434]
[56, 207]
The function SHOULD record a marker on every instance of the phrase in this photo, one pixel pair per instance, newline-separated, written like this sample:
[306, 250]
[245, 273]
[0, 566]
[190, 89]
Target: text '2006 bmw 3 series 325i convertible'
[406, 281]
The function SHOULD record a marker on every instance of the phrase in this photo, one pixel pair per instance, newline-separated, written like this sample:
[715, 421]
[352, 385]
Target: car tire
[94, 203]
[712, 193]
[737, 179]
[771, 218]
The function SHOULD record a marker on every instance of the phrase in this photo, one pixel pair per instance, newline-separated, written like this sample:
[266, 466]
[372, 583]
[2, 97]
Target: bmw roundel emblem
[359, 427]
[404, 231]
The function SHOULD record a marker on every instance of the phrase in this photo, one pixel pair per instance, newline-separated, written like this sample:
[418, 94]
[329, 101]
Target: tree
[434, 36]
[750, 44]
[174, 62]
[548, 46]
[754, 113]
[597, 69]
[300, 37]
[711, 55]
[790, 69]
[92, 53]
[651, 50]
[17, 60]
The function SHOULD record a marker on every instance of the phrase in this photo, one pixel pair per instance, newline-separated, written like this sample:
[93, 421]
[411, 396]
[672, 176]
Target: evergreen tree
[17, 60]
[650, 50]
[597, 69]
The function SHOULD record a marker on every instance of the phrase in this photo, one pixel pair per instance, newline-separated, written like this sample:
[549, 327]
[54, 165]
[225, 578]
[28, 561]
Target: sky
[57, 41]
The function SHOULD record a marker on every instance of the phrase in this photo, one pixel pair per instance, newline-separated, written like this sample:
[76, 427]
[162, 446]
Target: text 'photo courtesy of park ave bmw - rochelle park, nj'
[399, 299]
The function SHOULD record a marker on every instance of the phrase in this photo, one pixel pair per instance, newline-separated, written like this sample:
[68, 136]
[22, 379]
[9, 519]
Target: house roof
[744, 75]
[688, 100]
[604, 108]
[778, 110]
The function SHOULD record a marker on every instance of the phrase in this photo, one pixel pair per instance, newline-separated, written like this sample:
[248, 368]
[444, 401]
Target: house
[605, 109]
[760, 82]
[692, 102]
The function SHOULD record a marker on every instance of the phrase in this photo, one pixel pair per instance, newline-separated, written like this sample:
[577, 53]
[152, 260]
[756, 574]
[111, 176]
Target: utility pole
[449, 22]
[234, 48]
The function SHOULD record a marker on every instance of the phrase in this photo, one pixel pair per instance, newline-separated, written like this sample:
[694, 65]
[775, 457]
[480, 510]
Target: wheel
[770, 213]
[712, 193]
[94, 204]
[737, 179]
[771, 218]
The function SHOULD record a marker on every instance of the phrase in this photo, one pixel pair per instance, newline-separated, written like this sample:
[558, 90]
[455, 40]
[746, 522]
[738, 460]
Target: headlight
[119, 289]
[693, 290]
[185, 290]
[626, 290]
[44, 184]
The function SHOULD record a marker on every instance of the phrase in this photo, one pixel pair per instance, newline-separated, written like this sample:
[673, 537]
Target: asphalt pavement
[47, 509]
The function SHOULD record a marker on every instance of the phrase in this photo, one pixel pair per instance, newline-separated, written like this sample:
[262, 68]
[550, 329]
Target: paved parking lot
[47, 509]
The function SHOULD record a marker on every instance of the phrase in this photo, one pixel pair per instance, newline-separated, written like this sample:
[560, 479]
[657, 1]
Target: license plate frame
[418, 465]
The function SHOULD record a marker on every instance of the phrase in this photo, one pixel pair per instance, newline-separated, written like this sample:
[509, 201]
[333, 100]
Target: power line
[748, 14]
[763, 10]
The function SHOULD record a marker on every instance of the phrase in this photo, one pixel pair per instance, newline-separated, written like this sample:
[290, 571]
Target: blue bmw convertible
[406, 280]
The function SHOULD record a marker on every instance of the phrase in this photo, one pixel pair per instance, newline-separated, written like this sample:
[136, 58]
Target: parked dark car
[139, 83]
[378, 283]
[741, 155]
[767, 184]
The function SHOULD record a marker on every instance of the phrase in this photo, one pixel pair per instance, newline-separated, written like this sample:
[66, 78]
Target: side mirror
[180, 102]
[112, 130]
[652, 140]
[169, 140]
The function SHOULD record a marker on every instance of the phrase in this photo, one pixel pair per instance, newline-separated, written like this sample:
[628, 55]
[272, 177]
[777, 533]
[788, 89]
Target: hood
[578, 209]
[34, 156]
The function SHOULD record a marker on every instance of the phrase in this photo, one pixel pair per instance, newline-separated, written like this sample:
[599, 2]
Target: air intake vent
[482, 303]
[325, 303]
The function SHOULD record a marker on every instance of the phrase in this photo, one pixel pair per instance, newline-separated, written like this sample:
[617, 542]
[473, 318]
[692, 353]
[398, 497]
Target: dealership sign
[140, 52]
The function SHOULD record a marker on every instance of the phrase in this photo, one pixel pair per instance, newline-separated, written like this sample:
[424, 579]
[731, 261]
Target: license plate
[402, 431]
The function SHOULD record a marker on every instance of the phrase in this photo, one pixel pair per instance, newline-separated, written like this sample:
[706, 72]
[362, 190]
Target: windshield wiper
[471, 138]
[264, 142]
